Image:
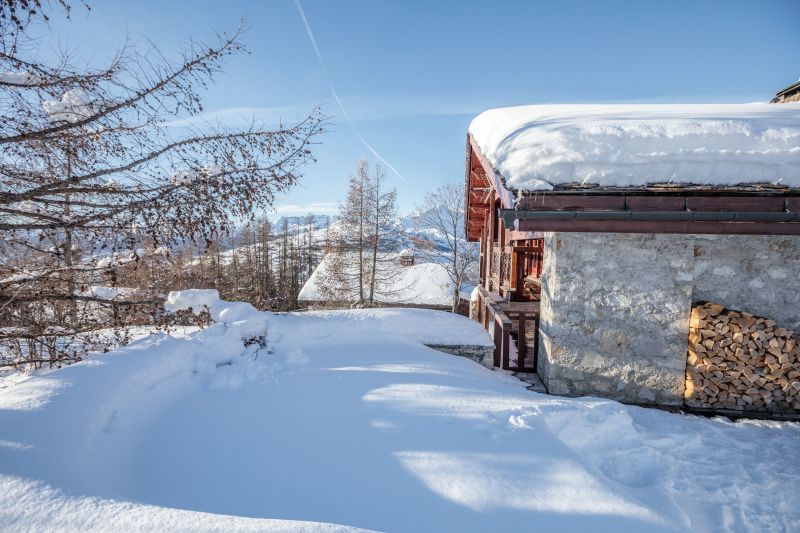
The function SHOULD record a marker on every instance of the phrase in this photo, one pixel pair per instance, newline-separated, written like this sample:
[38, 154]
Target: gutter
[510, 215]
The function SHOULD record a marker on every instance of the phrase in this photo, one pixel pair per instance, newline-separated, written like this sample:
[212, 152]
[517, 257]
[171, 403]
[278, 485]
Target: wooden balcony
[514, 326]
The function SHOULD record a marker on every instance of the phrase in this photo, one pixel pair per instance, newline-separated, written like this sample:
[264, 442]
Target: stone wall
[483, 355]
[615, 307]
[758, 274]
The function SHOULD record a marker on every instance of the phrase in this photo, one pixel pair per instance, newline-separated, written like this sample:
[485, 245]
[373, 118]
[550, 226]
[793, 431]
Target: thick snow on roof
[420, 284]
[539, 147]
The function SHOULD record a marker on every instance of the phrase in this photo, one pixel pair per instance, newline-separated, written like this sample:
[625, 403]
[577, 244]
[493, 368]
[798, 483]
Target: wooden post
[522, 346]
[489, 243]
[513, 278]
[486, 315]
[506, 328]
[498, 342]
[483, 254]
[536, 344]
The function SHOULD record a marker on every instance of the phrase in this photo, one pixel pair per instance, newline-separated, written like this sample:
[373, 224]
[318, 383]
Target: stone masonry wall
[483, 355]
[614, 313]
[757, 274]
[615, 307]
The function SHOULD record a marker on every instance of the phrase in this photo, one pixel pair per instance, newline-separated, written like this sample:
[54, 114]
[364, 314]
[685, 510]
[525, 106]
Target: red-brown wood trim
[550, 202]
[656, 203]
[743, 203]
[679, 227]
[493, 178]
[719, 203]
[522, 235]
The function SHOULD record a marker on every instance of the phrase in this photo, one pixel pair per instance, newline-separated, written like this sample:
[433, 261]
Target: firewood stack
[738, 361]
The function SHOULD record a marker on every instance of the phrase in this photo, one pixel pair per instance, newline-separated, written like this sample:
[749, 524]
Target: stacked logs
[742, 362]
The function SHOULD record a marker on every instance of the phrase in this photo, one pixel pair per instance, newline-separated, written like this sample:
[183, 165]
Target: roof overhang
[787, 91]
[747, 210]
[762, 214]
[482, 186]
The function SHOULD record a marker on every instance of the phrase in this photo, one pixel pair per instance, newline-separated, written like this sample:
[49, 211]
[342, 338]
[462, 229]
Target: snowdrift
[337, 420]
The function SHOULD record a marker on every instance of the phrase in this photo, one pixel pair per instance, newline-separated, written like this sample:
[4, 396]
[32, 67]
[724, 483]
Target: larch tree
[95, 175]
[343, 276]
[382, 234]
[360, 266]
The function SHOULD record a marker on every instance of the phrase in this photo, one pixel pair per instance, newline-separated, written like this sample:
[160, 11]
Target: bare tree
[343, 278]
[360, 265]
[381, 214]
[95, 175]
[443, 211]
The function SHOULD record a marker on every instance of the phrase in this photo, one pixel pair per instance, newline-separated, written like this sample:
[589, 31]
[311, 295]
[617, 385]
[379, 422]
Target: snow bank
[49, 509]
[422, 325]
[344, 417]
[194, 299]
[541, 146]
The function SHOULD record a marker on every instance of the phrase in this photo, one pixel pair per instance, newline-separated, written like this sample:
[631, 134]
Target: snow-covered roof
[541, 147]
[419, 284]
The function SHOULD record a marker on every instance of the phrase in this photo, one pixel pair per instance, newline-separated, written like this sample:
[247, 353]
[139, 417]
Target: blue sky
[412, 74]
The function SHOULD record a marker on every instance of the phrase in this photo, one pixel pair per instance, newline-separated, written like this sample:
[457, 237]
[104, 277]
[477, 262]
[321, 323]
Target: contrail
[336, 96]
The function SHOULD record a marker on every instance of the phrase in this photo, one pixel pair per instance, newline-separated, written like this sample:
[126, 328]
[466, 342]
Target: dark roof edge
[790, 88]
[676, 190]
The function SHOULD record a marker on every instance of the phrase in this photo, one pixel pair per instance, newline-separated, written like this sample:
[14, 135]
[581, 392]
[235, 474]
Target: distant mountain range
[409, 231]
[318, 221]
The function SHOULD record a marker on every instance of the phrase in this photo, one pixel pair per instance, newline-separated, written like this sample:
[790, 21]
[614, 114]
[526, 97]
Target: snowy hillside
[344, 419]
[408, 230]
[419, 284]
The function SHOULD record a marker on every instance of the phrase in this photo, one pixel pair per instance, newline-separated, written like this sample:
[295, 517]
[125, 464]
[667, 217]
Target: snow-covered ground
[418, 284]
[342, 419]
[538, 147]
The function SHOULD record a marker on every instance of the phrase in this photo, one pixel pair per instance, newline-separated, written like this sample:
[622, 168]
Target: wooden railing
[502, 318]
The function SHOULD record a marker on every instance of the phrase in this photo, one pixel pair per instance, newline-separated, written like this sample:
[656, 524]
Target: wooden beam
[728, 204]
[719, 202]
[524, 235]
[494, 179]
[674, 227]
[514, 275]
[550, 202]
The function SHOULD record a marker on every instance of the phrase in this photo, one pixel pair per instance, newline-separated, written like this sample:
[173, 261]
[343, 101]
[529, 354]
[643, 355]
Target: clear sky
[412, 74]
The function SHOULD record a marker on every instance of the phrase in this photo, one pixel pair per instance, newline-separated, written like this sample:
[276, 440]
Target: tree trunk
[375, 239]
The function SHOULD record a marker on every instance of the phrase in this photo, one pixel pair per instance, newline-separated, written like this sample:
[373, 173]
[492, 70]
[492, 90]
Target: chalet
[602, 227]
[788, 94]
[406, 257]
